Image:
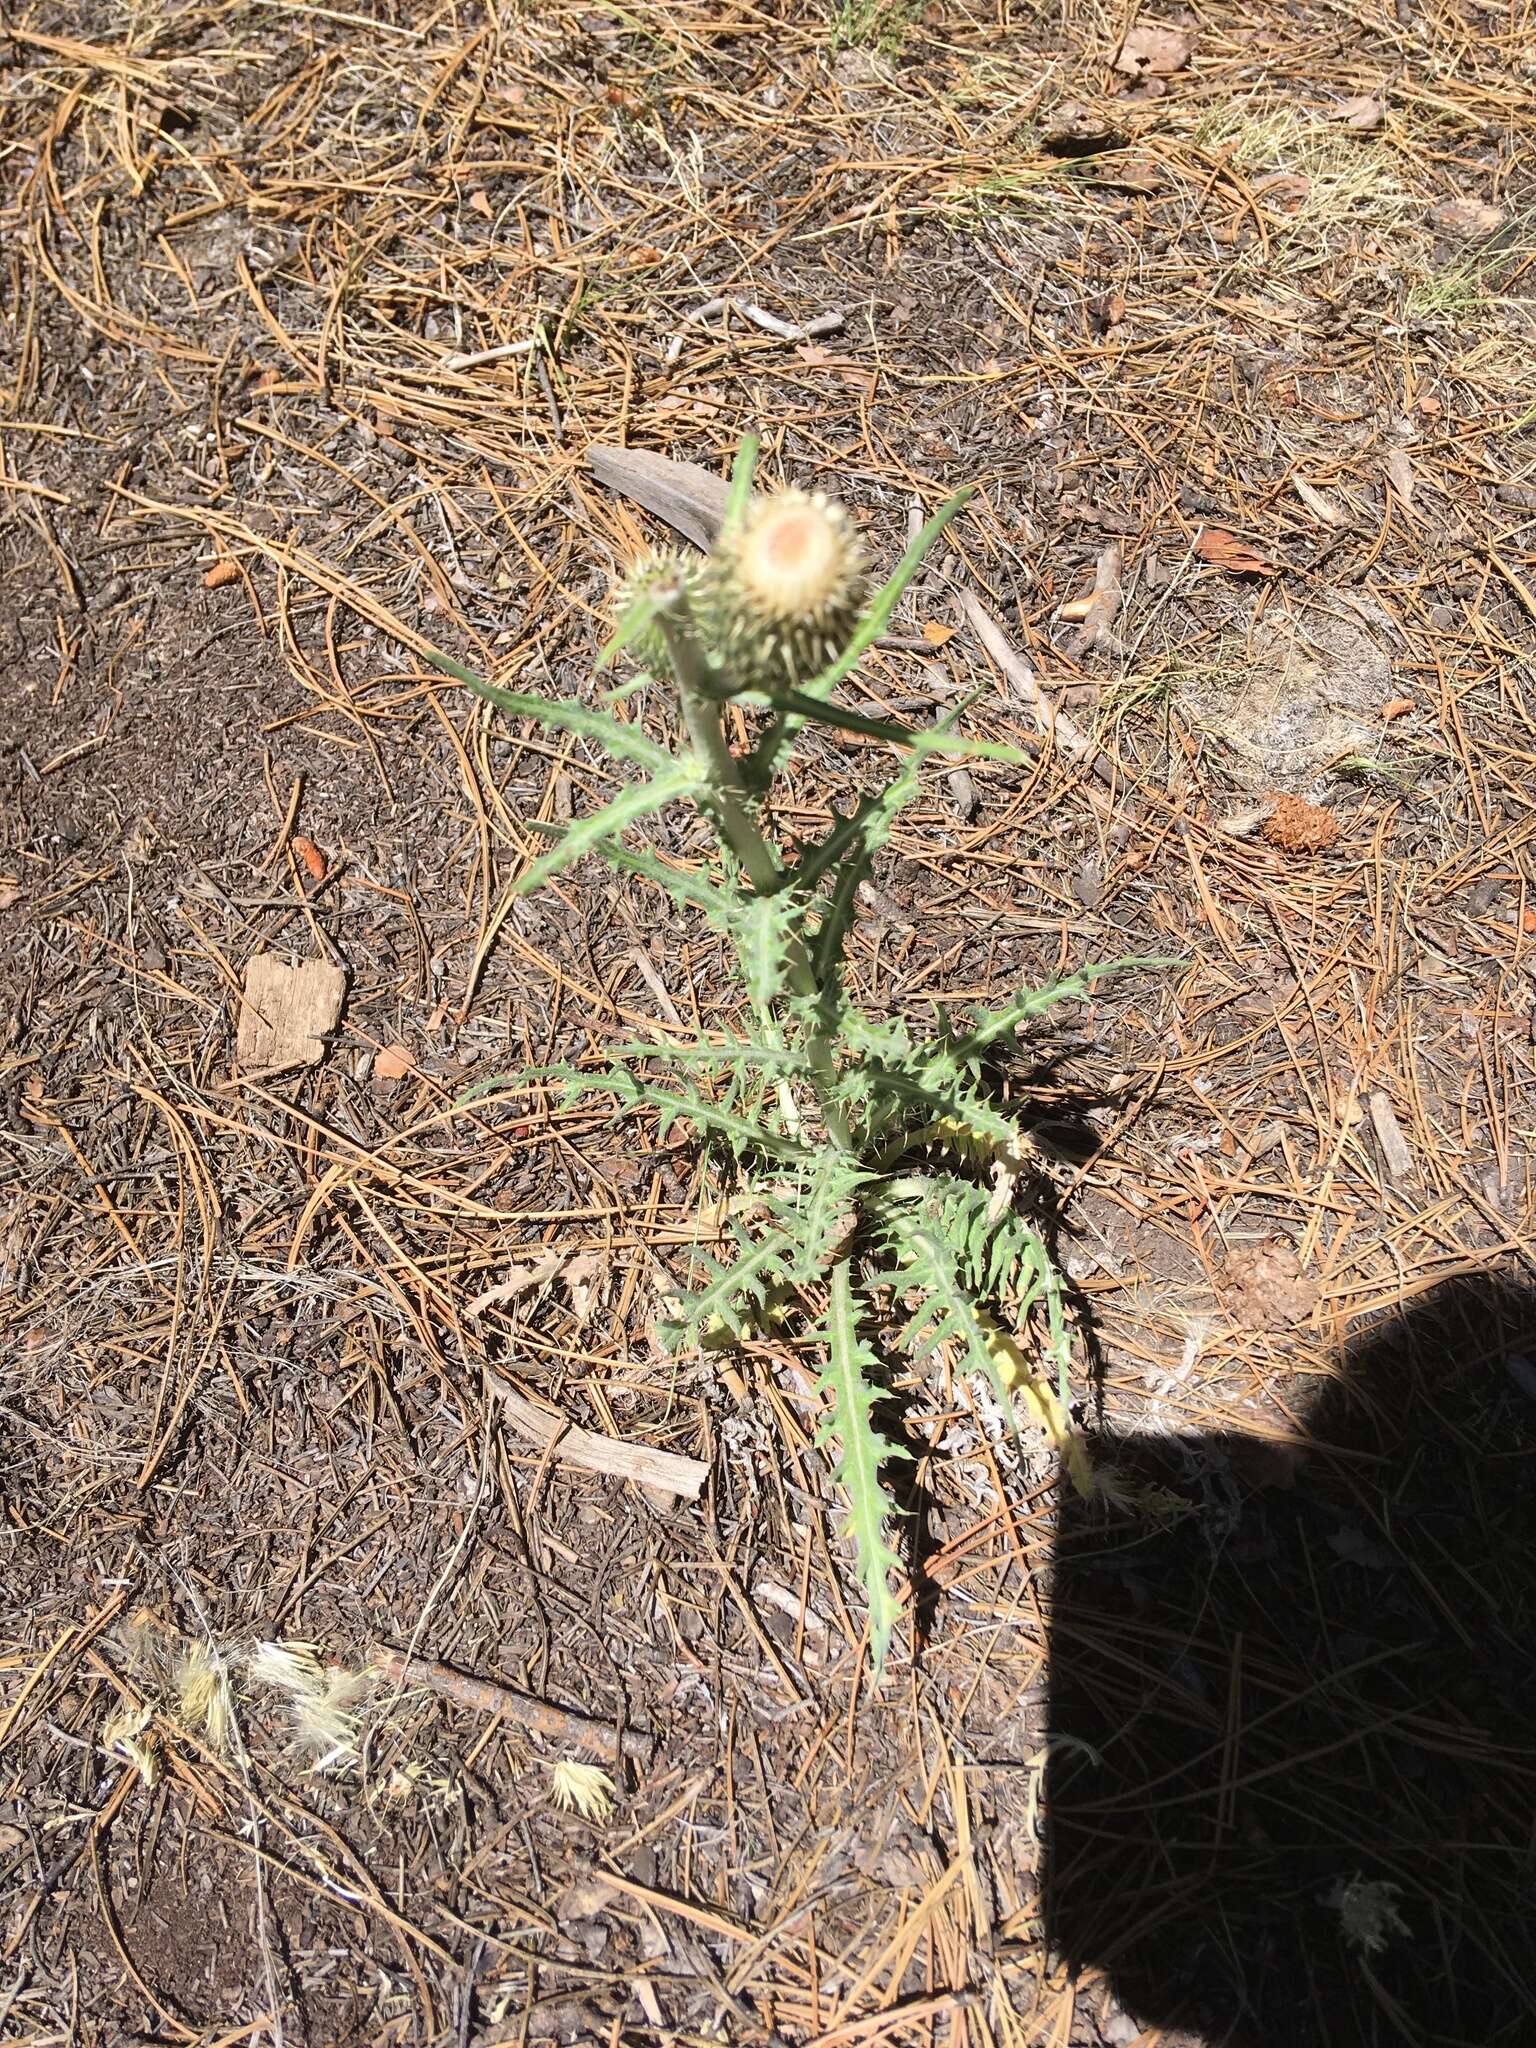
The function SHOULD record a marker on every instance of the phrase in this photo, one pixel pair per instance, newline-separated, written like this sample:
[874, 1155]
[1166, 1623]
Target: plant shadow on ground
[1316, 1685]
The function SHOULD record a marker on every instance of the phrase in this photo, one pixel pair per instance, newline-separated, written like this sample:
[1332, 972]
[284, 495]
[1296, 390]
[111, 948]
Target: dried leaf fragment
[393, 1063]
[1319, 506]
[1153, 49]
[1224, 550]
[1362, 112]
[1465, 219]
[1284, 189]
[1400, 473]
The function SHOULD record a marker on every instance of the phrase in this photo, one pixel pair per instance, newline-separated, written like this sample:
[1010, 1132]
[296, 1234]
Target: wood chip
[1224, 550]
[1097, 629]
[1395, 1153]
[1319, 506]
[665, 1471]
[393, 1064]
[685, 494]
[287, 1010]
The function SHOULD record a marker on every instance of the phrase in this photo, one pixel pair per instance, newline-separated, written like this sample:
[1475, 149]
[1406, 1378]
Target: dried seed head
[582, 1788]
[1367, 1910]
[130, 1737]
[323, 1699]
[789, 580]
[203, 1693]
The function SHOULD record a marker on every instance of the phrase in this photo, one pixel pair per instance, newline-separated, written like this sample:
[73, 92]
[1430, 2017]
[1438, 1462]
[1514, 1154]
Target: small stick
[785, 330]
[484, 1696]
[1019, 673]
[488, 355]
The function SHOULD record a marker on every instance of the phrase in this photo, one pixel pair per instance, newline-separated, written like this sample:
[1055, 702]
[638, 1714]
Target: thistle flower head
[797, 558]
[648, 583]
[789, 579]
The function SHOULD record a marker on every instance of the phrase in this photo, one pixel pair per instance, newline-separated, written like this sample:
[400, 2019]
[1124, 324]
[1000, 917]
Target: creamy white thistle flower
[583, 1789]
[790, 578]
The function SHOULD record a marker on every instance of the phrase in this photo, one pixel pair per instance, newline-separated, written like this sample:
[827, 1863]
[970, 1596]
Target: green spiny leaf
[764, 929]
[949, 1311]
[624, 742]
[639, 800]
[745, 1134]
[991, 1025]
[819, 1209]
[683, 885]
[737, 1058]
[732, 1293]
[810, 710]
[851, 1386]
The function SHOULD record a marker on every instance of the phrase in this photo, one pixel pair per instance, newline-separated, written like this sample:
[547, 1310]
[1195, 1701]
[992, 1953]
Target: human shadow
[1291, 1776]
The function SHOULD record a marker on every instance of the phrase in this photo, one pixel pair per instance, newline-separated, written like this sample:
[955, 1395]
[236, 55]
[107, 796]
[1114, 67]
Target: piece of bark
[1395, 1153]
[1097, 629]
[288, 1008]
[665, 1471]
[690, 498]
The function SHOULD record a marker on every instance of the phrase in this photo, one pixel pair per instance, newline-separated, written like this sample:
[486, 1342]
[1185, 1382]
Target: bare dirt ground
[311, 315]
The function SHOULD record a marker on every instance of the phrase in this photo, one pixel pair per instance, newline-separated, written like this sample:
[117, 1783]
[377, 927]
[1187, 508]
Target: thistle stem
[703, 717]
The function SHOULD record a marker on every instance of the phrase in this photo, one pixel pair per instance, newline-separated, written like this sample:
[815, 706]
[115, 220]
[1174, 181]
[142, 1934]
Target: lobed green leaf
[625, 742]
[852, 1387]
[587, 835]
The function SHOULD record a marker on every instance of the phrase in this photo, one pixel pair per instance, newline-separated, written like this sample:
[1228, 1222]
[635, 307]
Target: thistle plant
[873, 1177]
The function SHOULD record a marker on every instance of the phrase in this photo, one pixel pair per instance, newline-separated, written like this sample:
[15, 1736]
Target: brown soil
[239, 1386]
